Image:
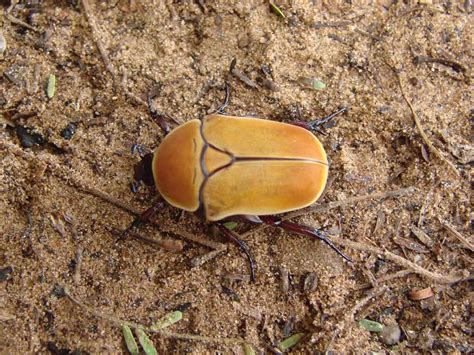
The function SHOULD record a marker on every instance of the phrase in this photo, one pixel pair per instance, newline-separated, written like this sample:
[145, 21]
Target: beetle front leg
[315, 124]
[160, 118]
[301, 229]
[145, 216]
[242, 245]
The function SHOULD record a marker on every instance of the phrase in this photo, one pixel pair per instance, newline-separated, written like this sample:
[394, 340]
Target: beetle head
[143, 170]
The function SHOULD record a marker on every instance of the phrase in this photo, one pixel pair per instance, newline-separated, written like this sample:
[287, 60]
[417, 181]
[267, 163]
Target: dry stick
[335, 204]
[465, 242]
[16, 21]
[439, 278]
[67, 175]
[103, 52]
[385, 278]
[77, 269]
[420, 128]
[121, 322]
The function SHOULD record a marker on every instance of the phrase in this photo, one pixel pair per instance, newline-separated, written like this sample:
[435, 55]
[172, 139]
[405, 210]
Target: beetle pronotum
[226, 167]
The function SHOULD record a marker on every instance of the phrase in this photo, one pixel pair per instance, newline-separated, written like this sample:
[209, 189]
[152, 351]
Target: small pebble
[5, 273]
[3, 44]
[390, 334]
[68, 131]
[28, 138]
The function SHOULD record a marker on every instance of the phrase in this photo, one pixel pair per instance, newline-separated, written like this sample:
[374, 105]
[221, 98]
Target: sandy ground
[63, 157]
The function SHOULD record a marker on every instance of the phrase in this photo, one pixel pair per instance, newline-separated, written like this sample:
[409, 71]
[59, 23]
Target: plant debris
[145, 342]
[132, 345]
[291, 341]
[418, 295]
[276, 9]
[371, 325]
[51, 87]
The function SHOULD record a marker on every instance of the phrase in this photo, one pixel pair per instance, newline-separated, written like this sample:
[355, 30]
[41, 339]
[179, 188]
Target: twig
[120, 322]
[457, 67]
[335, 204]
[77, 269]
[350, 315]
[439, 278]
[16, 21]
[384, 278]
[95, 35]
[171, 245]
[420, 127]
[465, 242]
[201, 259]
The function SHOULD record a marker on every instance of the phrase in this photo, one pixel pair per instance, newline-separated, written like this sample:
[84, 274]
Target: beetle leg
[243, 246]
[302, 229]
[144, 217]
[159, 117]
[315, 124]
[222, 107]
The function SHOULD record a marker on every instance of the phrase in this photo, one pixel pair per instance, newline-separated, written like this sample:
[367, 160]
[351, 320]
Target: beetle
[226, 167]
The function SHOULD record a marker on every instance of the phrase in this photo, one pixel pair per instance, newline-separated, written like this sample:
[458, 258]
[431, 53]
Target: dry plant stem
[19, 22]
[77, 270]
[465, 242]
[95, 35]
[439, 278]
[385, 278]
[171, 245]
[420, 128]
[121, 322]
[202, 259]
[16, 21]
[335, 204]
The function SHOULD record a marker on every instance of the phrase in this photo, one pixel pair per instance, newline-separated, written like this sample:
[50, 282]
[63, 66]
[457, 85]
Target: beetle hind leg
[303, 230]
[243, 246]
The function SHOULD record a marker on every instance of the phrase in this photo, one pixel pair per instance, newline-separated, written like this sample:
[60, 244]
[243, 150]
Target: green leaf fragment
[290, 341]
[168, 320]
[248, 349]
[230, 225]
[51, 88]
[145, 342]
[319, 85]
[132, 345]
[370, 325]
[276, 9]
[312, 83]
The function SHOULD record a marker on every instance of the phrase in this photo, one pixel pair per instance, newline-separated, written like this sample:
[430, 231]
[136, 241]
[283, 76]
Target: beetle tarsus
[315, 125]
[222, 107]
[242, 245]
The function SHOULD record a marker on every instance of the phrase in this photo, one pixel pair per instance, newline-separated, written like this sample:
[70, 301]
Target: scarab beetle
[239, 167]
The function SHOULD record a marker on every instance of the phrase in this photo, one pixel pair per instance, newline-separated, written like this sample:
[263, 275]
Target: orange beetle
[239, 167]
[230, 166]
